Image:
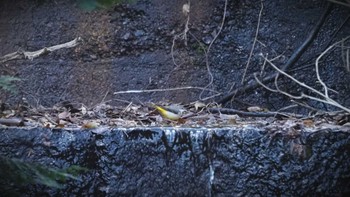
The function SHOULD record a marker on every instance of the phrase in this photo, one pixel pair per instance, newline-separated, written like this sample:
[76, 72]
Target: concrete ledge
[188, 161]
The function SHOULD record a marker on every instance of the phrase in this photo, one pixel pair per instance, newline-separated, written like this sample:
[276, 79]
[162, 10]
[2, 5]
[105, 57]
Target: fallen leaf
[90, 125]
[64, 115]
[83, 110]
[255, 109]
[198, 105]
[308, 123]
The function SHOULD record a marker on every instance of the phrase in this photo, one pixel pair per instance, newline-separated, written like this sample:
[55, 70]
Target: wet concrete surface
[187, 161]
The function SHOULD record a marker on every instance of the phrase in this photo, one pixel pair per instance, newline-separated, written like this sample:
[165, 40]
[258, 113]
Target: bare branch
[255, 39]
[165, 90]
[325, 97]
[211, 78]
[317, 64]
[183, 36]
[291, 61]
[263, 85]
[340, 3]
[34, 54]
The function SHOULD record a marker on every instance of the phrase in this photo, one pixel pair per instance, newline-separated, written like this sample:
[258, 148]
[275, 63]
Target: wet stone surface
[188, 162]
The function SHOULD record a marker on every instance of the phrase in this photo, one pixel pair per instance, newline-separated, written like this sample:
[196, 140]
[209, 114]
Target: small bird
[170, 113]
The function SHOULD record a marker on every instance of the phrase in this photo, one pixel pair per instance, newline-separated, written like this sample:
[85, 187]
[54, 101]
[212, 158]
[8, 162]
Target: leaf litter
[77, 116]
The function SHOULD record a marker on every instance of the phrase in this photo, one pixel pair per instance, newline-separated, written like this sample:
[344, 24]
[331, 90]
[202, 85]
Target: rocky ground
[245, 147]
[132, 47]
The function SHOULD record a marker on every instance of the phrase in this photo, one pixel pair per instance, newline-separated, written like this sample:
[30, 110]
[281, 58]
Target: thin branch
[317, 64]
[348, 60]
[326, 99]
[302, 64]
[165, 90]
[297, 54]
[340, 3]
[291, 61]
[186, 10]
[305, 105]
[263, 85]
[287, 107]
[34, 54]
[211, 78]
[172, 51]
[253, 46]
[251, 114]
[345, 56]
[295, 80]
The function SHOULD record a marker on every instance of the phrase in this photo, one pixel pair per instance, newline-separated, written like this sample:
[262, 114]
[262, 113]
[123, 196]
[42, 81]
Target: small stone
[126, 36]
[94, 57]
[139, 33]
[207, 40]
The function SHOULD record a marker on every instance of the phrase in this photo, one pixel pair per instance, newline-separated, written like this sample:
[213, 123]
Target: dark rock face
[188, 162]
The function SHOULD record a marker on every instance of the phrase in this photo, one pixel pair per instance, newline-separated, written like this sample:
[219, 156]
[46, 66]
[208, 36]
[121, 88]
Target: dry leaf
[8, 113]
[308, 123]
[48, 125]
[230, 119]
[255, 109]
[90, 125]
[60, 126]
[64, 115]
[45, 122]
[61, 123]
[83, 110]
[198, 105]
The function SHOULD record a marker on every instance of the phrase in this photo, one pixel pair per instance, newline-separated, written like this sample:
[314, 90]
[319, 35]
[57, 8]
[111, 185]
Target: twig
[255, 39]
[305, 105]
[250, 114]
[348, 60]
[287, 107]
[31, 55]
[263, 85]
[183, 35]
[165, 90]
[326, 46]
[104, 97]
[172, 51]
[340, 3]
[325, 98]
[49, 119]
[211, 78]
[11, 121]
[345, 56]
[295, 56]
[186, 10]
[127, 107]
[317, 66]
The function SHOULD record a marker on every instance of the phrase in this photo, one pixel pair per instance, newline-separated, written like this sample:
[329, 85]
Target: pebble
[139, 33]
[207, 40]
[126, 36]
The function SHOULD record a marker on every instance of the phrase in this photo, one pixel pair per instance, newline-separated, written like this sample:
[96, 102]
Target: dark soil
[128, 47]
